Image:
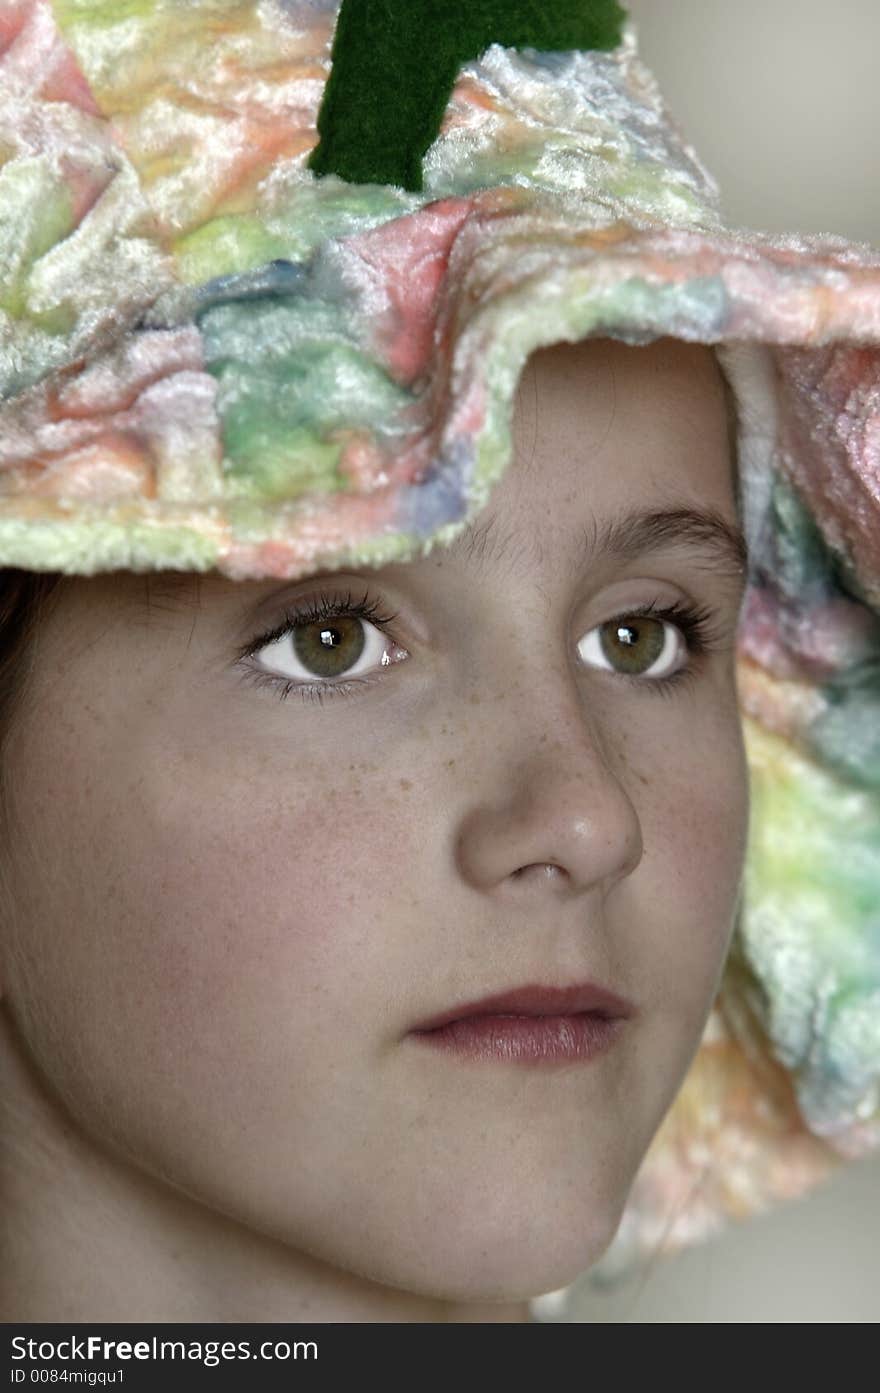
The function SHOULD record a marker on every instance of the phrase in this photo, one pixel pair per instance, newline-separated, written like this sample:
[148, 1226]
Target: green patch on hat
[395, 63]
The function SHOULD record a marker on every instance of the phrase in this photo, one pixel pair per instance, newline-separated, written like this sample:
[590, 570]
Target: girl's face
[229, 911]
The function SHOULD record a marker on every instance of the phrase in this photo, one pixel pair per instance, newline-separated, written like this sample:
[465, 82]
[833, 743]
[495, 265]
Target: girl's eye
[645, 645]
[326, 639]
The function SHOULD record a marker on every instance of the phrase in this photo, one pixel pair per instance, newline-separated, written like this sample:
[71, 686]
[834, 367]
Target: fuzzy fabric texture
[213, 356]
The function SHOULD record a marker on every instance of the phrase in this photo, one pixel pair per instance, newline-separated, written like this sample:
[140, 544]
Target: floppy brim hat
[269, 274]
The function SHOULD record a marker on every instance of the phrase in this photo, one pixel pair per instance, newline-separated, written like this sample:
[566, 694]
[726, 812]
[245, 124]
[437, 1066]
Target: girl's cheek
[695, 833]
[270, 886]
[204, 954]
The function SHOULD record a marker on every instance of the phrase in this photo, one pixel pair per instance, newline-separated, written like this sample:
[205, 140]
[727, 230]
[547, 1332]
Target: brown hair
[26, 597]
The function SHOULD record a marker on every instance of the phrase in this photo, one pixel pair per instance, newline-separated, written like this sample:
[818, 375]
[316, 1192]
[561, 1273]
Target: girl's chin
[518, 1273]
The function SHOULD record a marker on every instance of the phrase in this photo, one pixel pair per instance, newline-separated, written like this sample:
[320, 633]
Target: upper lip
[536, 1000]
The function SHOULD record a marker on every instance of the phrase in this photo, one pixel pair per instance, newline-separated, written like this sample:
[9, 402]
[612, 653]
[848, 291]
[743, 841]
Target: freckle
[450, 764]
[405, 785]
[474, 699]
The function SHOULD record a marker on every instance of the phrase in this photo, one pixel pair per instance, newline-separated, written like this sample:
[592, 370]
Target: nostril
[545, 868]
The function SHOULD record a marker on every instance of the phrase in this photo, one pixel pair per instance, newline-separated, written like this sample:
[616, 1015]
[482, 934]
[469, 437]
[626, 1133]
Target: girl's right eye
[328, 639]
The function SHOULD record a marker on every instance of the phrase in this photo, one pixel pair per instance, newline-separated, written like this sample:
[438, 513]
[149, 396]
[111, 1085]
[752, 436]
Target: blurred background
[781, 99]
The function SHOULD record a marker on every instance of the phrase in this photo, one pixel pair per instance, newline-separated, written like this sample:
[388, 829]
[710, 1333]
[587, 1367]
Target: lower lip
[526, 1039]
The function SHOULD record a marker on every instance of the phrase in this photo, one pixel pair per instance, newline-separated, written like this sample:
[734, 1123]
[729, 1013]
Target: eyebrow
[715, 544]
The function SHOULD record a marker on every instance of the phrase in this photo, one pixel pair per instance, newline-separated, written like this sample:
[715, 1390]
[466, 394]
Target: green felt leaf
[394, 64]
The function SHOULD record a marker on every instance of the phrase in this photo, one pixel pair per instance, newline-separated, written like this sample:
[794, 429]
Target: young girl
[436, 548]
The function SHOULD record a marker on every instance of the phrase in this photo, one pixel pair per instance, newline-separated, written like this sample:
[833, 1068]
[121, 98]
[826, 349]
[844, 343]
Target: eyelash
[694, 621]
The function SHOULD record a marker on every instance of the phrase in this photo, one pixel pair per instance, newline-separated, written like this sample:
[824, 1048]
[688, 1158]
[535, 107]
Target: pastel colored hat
[269, 273]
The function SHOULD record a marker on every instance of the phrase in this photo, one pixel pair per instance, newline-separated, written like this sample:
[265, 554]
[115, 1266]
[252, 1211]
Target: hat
[269, 274]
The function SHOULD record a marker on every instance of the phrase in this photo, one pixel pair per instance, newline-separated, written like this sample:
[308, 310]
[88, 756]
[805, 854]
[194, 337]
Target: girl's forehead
[593, 361]
[594, 396]
[591, 388]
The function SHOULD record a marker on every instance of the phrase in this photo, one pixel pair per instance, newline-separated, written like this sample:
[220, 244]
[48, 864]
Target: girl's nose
[546, 807]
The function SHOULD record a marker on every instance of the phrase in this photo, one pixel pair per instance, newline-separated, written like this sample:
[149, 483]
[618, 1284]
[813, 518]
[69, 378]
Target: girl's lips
[534, 1000]
[531, 1024]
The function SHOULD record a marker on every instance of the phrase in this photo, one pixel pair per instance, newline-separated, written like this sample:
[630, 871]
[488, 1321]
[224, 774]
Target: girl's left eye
[328, 639]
